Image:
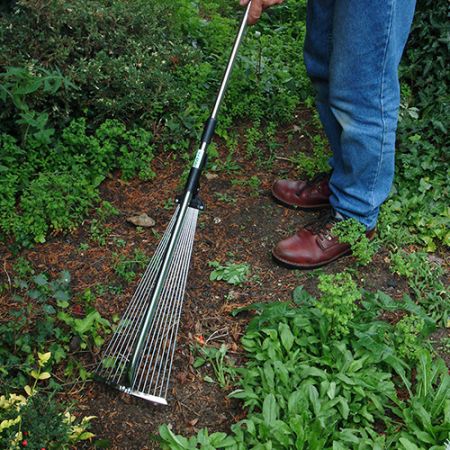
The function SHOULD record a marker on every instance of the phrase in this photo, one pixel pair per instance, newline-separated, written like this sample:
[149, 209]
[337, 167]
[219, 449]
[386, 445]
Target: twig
[216, 334]
[283, 158]
[190, 409]
[7, 274]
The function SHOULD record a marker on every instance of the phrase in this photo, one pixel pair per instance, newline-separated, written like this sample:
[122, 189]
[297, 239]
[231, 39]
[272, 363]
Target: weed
[253, 136]
[22, 268]
[424, 279]
[352, 232]
[169, 204]
[232, 273]
[41, 319]
[226, 198]
[126, 268]
[254, 183]
[318, 162]
[407, 336]
[83, 247]
[224, 370]
[338, 301]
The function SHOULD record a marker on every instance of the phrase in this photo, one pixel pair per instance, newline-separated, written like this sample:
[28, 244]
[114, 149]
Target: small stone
[211, 176]
[142, 220]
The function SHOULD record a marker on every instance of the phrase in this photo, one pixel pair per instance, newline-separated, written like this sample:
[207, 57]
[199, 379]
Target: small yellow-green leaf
[28, 390]
[86, 435]
[44, 376]
[44, 358]
[35, 374]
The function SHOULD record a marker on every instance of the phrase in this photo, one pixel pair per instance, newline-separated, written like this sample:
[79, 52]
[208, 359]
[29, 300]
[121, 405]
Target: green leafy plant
[425, 281]
[98, 231]
[89, 329]
[338, 300]
[426, 414]
[36, 420]
[203, 440]
[306, 386]
[50, 188]
[41, 319]
[17, 85]
[232, 273]
[352, 232]
[318, 161]
[225, 198]
[223, 368]
[126, 268]
[407, 335]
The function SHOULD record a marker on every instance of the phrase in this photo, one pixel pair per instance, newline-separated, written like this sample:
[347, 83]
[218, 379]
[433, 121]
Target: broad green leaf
[331, 390]
[408, 445]
[314, 399]
[40, 280]
[287, 338]
[177, 442]
[270, 410]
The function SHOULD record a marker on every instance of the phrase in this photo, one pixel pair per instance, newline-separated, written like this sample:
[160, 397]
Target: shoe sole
[294, 206]
[291, 265]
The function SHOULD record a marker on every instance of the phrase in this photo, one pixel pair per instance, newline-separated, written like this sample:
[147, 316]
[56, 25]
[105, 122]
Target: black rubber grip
[193, 181]
[208, 131]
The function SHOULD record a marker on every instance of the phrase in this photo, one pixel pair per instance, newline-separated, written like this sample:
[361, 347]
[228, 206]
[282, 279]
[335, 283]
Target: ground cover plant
[311, 383]
[101, 103]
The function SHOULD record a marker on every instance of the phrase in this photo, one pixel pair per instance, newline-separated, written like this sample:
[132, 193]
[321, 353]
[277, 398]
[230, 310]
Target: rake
[138, 359]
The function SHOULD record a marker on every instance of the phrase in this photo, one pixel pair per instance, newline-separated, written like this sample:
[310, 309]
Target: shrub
[51, 187]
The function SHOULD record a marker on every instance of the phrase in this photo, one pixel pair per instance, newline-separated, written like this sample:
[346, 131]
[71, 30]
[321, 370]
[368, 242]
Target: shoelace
[315, 181]
[323, 226]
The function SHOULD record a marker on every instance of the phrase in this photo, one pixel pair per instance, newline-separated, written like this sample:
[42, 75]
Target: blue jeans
[352, 53]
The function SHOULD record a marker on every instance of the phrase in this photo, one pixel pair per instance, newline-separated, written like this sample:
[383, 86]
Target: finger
[243, 2]
[268, 3]
[255, 12]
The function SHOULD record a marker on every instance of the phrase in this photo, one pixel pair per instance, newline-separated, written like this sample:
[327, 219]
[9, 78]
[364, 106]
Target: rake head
[138, 359]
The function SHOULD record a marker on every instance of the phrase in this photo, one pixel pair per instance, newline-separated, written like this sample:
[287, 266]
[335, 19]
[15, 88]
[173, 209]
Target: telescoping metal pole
[190, 192]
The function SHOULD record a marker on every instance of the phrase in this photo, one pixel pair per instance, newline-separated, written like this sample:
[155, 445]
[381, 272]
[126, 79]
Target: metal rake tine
[167, 329]
[161, 339]
[118, 343]
[177, 316]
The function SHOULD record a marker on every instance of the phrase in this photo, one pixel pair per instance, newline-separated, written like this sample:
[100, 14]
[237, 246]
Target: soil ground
[240, 224]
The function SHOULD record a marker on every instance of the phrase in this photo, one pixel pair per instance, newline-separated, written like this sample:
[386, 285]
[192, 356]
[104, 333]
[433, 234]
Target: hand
[258, 6]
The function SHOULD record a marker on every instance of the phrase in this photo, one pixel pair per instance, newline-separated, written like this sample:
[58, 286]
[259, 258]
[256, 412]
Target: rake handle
[231, 61]
[190, 192]
[192, 184]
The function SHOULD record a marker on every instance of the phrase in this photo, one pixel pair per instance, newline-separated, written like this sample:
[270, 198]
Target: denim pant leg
[317, 52]
[367, 43]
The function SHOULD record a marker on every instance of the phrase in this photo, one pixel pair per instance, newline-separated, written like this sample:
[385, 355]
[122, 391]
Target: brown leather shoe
[310, 248]
[303, 194]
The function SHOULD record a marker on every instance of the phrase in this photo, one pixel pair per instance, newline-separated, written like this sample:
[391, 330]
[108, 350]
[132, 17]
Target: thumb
[243, 2]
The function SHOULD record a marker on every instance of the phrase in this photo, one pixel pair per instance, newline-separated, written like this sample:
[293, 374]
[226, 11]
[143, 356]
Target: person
[352, 52]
